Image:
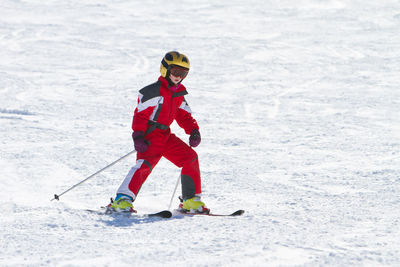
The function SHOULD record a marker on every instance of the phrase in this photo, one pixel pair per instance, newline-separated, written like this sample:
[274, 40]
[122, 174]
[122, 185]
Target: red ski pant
[164, 144]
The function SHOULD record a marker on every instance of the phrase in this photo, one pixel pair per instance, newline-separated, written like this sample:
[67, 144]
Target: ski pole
[173, 194]
[99, 171]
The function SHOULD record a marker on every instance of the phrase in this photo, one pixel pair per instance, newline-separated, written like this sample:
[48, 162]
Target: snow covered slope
[298, 104]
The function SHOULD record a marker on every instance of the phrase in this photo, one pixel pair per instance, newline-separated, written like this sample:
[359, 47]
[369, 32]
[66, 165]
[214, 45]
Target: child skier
[159, 104]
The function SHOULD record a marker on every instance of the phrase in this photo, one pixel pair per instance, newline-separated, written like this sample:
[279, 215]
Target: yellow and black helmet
[173, 58]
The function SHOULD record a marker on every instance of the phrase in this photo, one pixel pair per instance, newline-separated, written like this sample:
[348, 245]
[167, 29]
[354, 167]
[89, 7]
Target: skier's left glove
[195, 138]
[141, 144]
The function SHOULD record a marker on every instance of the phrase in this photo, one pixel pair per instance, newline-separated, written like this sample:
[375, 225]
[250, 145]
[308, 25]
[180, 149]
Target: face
[175, 79]
[177, 74]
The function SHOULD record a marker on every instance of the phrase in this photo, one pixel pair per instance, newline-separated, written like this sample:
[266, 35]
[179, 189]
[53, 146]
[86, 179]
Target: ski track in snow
[297, 102]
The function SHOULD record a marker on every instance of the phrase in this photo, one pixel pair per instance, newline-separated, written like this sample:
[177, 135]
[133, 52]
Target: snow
[298, 105]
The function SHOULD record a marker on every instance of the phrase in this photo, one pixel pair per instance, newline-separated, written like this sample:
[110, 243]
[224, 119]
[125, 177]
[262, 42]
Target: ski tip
[163, 214]
[166, 214]
[237, 213]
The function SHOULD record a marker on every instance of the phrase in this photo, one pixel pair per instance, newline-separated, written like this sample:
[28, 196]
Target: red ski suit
[159, 105]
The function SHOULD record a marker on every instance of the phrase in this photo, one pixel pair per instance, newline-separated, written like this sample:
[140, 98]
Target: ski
[161, 214]
[236, 213]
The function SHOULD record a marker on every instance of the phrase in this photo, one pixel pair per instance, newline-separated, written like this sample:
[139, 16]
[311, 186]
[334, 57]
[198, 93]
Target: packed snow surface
[298, 105]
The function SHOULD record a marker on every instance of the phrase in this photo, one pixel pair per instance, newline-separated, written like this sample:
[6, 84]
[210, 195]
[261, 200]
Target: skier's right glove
[195, 138]
[141, 144]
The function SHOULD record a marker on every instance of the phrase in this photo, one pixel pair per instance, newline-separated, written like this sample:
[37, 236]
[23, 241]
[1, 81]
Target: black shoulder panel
[150, 91]
[181, 93]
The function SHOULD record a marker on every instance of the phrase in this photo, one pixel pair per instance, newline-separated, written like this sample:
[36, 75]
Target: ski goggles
[178, 71]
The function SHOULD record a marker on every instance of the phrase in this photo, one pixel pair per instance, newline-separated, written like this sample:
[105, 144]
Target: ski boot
[122, 203]
[193, 205]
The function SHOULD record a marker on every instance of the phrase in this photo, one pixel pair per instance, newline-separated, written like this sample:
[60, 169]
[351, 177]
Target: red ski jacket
[158, 106]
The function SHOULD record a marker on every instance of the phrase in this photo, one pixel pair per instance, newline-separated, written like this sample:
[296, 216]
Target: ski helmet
[173, 58]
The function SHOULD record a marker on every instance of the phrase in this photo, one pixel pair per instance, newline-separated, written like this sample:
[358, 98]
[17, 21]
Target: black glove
[141, 145]
[195, 138]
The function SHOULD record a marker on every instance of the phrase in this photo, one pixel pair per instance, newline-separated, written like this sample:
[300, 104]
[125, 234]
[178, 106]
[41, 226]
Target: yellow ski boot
[122, 203]
[194, 205]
